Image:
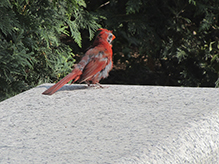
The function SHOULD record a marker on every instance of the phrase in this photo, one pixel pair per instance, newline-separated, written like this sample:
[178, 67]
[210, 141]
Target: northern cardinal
[95, 65]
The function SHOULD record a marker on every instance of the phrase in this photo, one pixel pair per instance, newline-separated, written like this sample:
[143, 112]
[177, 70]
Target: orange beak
[113, 37]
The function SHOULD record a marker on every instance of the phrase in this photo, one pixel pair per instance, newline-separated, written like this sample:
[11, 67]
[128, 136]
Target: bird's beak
[113, 37]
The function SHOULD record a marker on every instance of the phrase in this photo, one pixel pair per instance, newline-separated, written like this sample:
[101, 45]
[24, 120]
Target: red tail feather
[75, 74]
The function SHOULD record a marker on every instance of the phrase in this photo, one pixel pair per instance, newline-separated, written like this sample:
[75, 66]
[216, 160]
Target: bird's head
[106, 35]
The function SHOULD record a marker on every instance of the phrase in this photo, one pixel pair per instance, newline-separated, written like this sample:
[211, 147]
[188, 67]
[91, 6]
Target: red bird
[95, 65]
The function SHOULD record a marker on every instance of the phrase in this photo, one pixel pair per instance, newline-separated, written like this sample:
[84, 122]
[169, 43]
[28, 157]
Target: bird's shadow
[66, 87]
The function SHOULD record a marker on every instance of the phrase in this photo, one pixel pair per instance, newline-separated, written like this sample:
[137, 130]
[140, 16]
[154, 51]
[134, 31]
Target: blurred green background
[169, 43]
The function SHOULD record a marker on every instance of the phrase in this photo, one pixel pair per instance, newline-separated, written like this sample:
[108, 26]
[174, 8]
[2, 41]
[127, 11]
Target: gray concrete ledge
[115, 125]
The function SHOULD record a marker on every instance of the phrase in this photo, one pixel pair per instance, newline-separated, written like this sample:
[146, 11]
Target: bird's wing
[98, 61]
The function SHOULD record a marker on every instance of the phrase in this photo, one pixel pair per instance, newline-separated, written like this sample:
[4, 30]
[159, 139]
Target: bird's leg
[99, 85]
[102, 86]
[96, 85]
[88, 84]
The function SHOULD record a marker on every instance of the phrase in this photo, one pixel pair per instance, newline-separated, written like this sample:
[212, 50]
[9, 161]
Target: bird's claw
[97, 85]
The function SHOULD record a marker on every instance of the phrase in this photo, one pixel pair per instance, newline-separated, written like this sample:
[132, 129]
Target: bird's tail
[74, 75]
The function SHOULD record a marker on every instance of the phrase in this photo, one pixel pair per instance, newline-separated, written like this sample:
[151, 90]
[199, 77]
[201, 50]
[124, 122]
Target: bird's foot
[97, 85]
[102, 86]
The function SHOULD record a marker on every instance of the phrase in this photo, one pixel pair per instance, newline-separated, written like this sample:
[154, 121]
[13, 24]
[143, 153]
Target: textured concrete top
[119, 124]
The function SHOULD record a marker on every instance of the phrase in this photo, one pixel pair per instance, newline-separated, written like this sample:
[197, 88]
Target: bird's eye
[110, 37]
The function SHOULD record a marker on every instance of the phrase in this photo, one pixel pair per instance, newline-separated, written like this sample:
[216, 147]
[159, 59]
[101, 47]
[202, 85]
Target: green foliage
[30, 48]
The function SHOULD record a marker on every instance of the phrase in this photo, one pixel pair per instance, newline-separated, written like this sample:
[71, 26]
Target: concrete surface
[115, 125]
